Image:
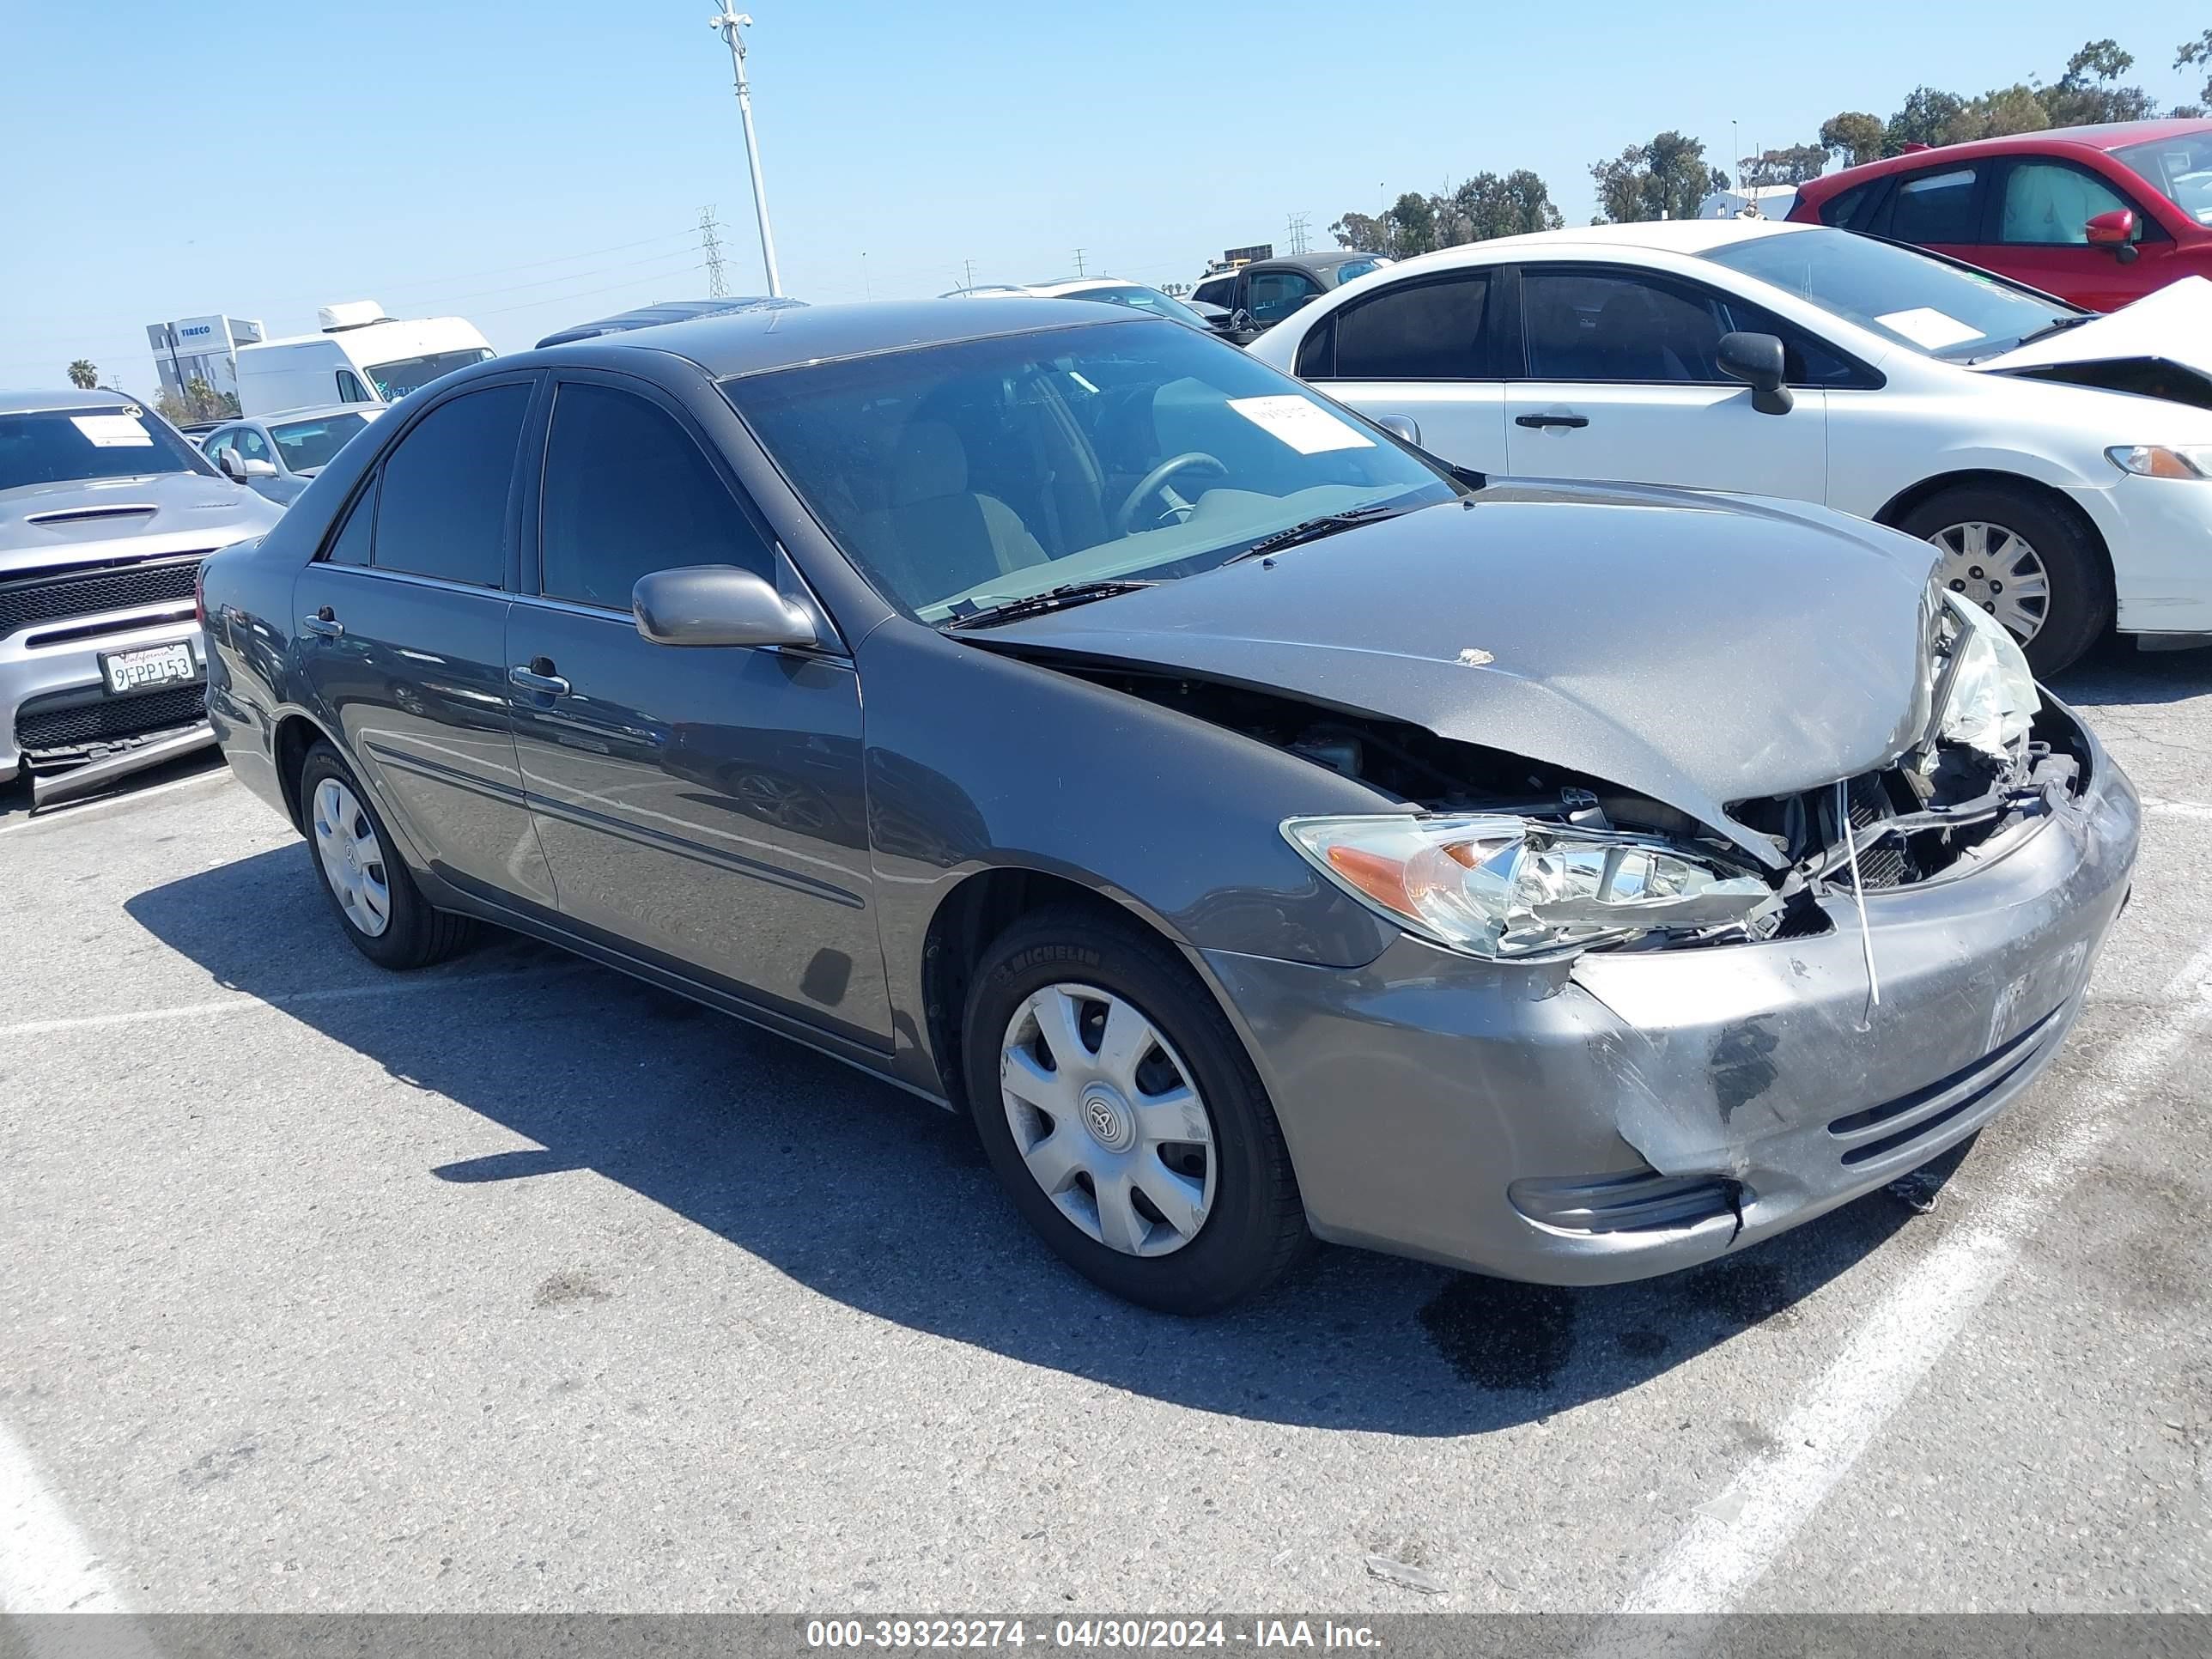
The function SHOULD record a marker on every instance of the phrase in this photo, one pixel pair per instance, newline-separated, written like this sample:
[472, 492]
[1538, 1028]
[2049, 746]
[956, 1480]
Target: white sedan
[2062, 461]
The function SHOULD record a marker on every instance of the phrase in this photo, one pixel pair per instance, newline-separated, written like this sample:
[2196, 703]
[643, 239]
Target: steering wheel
[1152, 481]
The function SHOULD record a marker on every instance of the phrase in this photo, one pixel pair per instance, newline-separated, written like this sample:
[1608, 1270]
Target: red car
[2099, 215]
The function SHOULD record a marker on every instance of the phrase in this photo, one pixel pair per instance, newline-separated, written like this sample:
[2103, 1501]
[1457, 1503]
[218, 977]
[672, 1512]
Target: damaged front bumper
[1630, 1112]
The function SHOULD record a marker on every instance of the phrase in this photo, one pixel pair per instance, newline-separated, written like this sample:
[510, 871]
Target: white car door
[1621, 383]
[1423, 348]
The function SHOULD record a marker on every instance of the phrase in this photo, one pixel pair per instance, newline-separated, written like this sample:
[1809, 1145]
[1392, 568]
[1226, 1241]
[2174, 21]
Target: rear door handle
[538, 675]
[325, 623]
[1550, 420]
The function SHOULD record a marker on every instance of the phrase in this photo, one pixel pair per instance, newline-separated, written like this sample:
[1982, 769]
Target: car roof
[30, 403]
[1311, 262]
[1683, 236]
[668, 311]
[2108, 136]
[754, 342]
[304, 412]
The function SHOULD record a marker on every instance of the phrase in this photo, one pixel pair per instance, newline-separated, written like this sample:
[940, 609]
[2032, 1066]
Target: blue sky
[531, 164]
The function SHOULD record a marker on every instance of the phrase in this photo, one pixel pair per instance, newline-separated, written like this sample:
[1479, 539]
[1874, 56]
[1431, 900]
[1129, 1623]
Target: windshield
[1351, 268]
[1142, 299]
[305, 444]
[395, 380]
[2178, 168]
[961, 477]
[65, 446]
[1944, 310]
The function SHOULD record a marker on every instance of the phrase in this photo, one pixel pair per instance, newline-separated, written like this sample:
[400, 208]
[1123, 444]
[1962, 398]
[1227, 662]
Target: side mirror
[1758, 361]
[249, 468]
[1401, 426]
[232, 466]
[716, 605]
[2114, 232]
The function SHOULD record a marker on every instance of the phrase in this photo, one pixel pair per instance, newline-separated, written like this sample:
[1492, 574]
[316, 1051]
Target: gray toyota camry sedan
[1262, 829]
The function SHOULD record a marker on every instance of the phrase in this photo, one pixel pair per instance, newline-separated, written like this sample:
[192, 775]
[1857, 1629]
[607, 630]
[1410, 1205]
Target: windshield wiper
[1062, 597]
[1312, 529]
[2057, 326]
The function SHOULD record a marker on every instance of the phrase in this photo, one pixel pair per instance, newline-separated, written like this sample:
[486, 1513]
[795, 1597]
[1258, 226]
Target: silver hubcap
[1998, 570]
[353, 863]
[1106, 1117]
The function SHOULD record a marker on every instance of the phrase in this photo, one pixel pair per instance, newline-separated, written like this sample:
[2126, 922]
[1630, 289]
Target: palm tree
[83, 375]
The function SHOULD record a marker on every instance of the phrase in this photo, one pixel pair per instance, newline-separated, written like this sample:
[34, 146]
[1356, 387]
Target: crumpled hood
[2169, 330]
[1694, 648]
[90, 520]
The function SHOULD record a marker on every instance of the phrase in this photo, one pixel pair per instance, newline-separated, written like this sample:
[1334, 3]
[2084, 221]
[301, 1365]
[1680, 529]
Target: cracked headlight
[1511, 889]
[1993, 698]
[2163, 460]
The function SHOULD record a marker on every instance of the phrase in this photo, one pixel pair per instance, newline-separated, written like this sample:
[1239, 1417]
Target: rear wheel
[362, 876]
[1119, 1109]
[2025, 562]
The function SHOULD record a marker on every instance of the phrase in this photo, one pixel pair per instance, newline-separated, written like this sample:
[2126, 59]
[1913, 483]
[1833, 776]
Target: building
[204, 349]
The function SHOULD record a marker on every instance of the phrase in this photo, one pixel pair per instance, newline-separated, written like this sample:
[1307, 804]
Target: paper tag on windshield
[1924, 325]
[113, 431]
[1305, 426]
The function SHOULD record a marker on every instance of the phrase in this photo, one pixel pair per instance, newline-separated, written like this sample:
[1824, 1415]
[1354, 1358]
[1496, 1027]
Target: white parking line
[46, 1564]
[87, 808]
[246, 1005]
[2178, 809]
[1734, 1539]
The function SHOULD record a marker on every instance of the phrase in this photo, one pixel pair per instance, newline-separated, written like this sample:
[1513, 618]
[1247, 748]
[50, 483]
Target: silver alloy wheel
[353, 862]
[1107, 1118]
[1998, 570]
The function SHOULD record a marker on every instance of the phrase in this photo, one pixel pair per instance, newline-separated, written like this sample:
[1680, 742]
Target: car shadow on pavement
[2117, 672]
[883, 1202]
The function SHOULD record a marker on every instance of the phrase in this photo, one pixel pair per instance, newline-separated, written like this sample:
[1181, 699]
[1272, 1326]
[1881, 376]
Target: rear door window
[1938, 207]
[1416, 331]
[442, 500]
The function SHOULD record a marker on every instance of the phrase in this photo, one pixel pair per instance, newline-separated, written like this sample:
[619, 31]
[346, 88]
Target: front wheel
[2027, 563]
[1121, 1111]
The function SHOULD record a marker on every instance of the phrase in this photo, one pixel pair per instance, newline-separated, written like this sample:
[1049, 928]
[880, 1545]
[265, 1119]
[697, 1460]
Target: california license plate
[155, 666]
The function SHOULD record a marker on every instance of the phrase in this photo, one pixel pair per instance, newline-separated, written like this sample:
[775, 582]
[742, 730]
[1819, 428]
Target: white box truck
[361, 356]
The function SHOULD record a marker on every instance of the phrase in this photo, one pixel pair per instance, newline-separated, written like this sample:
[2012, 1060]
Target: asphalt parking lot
[518, 1285]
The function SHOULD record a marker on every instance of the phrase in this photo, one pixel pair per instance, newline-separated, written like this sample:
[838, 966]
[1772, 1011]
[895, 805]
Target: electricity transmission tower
[1297, 233]
[1079, 271]
[710, 243]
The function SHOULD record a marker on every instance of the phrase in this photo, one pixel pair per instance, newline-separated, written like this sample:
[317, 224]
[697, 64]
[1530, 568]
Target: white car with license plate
[106, 514]
[2061, 461]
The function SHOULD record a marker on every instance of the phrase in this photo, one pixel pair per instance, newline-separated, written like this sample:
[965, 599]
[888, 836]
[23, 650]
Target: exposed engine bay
[1994, 757]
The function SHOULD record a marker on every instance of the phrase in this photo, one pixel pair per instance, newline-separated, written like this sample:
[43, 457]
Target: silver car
[276, 455]
[105, 513]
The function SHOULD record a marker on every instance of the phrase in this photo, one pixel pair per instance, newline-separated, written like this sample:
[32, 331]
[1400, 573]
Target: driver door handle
[1550, 420]
[325, 623]
[538, 675]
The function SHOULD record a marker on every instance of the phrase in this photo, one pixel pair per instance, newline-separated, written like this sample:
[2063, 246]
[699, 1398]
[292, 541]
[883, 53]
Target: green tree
[2196, 52]
[1793, 166]
[2017, 108]
[1666, 178]
[83, 375]
[1922, 120]
[1486, 206]
[1361, 232]
[2089, 91]
[1853, 137]
[1413, 220]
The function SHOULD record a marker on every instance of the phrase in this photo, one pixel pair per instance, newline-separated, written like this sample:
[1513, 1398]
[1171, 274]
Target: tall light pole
[729, 25]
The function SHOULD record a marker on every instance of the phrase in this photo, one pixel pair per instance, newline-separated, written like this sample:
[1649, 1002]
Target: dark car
[1260, 829]
[2100, 216]
[1259, 295]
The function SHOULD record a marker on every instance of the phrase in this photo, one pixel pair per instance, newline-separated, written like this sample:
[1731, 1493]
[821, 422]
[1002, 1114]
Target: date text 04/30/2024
[1079, 1635]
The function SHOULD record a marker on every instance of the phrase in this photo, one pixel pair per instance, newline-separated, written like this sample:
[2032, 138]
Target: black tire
[1255, 1227]
[2080, 609]
[417, 935]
